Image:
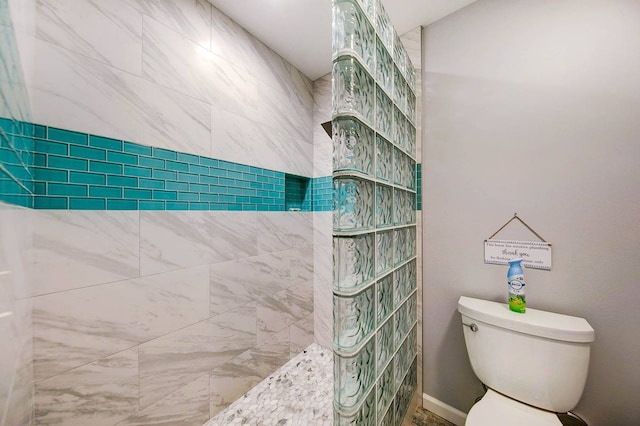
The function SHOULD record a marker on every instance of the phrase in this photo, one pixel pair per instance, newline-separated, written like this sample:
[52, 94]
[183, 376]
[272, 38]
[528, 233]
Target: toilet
[534, 364]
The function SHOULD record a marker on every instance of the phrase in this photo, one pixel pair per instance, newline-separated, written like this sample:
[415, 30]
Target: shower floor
[299, 393]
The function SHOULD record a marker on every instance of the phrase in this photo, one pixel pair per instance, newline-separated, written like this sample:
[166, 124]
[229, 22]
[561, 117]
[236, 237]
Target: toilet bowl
[534, 364]
[498, 410]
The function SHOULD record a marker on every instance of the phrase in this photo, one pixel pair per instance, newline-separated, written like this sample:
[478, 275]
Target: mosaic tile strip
[322, 193]
[55, 168]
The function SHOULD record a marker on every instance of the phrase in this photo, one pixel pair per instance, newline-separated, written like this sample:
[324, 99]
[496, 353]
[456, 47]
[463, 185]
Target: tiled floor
[300, 393]
[427, 418]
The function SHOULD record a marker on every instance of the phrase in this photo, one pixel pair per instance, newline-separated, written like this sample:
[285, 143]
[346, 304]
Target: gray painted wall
[534, 107]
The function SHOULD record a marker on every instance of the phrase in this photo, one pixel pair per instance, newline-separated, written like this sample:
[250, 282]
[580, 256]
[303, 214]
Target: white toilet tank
[539, 358]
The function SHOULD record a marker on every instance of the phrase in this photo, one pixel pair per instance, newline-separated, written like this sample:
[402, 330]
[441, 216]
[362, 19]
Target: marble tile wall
[322, 221]
[198, 314]
[16, 353]
[148, 317]
[179, 75]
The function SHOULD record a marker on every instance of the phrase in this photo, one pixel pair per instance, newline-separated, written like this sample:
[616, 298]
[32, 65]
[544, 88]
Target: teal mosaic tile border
[73, 170]
[322, 194]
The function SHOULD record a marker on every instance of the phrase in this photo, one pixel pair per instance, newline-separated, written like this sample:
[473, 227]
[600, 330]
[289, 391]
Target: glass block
[353, 204]
[400, 323]
[384, 113]
[354, 376]
[384, 390]
[411, 241]
[398, 166]
[409, 139]
[405, 392]
[384, 252]
[399, 286]
[369, 8]
[388, 419]
[399, 132]
[411, 106]
[352, 145]
[410, 209]
[411, 75]
[353, 318]
[412, 345]
[365, 416]
[400, 248]
[353, 89]
[384, 205]
[410, 175]
[353, 33]
[384, 288]
[399, 361]
[399, 53]
[353, 261]
[383, 26]
[399, 206]
[412, 309]
[399, 89]
[410, 271]
[384, 67]
[384, 159]
[385, 343]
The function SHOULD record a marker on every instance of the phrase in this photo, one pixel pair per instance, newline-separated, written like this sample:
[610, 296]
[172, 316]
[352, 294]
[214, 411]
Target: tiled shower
[166, 212]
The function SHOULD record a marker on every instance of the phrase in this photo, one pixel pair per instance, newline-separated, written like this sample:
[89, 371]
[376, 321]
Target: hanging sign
[534, 254]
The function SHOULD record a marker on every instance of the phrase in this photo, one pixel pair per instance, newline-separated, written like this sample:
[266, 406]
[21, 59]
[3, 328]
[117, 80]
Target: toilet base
[495, 409]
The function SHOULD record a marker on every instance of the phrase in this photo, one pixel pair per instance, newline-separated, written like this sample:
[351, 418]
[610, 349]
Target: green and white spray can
[515, 278]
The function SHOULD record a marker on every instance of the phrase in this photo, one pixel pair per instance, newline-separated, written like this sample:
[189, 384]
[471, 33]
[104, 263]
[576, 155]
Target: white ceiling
[300, 30]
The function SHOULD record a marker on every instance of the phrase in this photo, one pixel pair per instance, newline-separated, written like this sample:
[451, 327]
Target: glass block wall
[374, 217]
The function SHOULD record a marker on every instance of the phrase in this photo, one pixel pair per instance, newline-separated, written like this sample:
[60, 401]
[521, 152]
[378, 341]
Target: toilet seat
[495, 409]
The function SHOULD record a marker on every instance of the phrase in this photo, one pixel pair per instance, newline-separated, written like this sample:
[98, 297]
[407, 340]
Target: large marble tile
[323, 228]
[278, 311]
[232, 42]
[412, 41]
[301, 263]
[173, 240]
[81, 25]
[237, 282]
[100, 393]
[233, 379]
[276, 109]
[278, 231]
[243, 140]
[188, 406]
[322, 144]
[76, 248]
[171, 361]
[79, 93]
[78, 326]
[323, 296]
[16, 355]
[191, 18]
[173, 61]
[301, 335]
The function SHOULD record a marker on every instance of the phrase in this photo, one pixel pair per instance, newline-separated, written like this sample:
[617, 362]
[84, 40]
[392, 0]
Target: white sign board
[534, 254]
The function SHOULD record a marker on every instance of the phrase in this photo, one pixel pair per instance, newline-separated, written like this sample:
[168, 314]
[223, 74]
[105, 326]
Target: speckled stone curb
[299, 393]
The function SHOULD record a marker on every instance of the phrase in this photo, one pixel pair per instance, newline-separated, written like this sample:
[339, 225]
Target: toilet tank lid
[534, 322]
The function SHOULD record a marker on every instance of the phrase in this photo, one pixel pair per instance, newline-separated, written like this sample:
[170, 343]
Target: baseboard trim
[443, 410]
